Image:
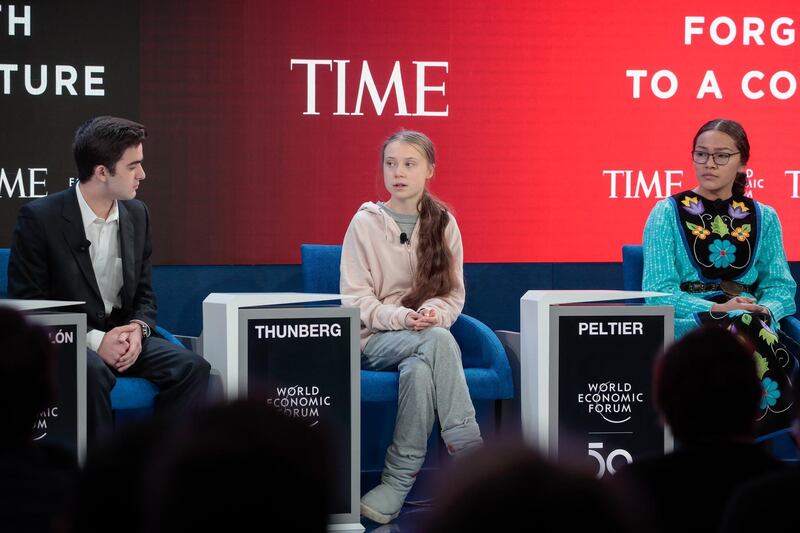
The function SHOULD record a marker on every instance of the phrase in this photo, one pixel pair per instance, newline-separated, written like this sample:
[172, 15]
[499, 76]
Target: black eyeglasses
[720, 158]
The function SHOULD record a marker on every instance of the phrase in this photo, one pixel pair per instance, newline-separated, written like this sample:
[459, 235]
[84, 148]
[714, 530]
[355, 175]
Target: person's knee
[98, 374]
[441, 343]
[414, 372]
[442, 337]
[197, 366]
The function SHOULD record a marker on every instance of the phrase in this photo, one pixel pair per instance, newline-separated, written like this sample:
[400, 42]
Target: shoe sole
[375, 516]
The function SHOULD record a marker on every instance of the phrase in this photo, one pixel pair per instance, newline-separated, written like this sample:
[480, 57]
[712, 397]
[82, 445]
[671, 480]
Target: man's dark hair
[102, 141]
[706, 387]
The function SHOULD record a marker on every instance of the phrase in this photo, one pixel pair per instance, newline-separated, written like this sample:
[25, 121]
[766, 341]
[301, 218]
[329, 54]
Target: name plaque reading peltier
[601, 377]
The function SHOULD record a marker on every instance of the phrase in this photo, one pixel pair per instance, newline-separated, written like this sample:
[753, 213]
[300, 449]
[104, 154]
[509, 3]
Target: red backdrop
[541, 115]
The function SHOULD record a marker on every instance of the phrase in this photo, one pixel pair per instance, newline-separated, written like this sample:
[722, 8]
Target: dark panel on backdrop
[60, 63]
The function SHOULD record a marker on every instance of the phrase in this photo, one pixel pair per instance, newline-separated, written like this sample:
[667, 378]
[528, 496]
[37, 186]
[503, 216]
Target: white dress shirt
[106, 259]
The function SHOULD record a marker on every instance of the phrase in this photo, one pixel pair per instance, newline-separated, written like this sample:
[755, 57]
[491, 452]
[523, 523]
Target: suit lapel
[75, 235]
[126, 236]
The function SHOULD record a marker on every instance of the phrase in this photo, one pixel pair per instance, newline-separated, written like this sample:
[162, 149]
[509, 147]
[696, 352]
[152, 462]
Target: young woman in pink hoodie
[402, 262]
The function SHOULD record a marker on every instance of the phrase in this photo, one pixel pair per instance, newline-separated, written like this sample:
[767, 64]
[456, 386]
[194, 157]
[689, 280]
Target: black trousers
[181, 376]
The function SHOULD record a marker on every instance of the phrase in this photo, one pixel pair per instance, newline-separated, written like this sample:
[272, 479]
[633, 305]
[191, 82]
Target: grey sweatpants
[431, 380]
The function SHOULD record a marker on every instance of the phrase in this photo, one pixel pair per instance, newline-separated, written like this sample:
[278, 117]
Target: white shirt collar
[88, 216]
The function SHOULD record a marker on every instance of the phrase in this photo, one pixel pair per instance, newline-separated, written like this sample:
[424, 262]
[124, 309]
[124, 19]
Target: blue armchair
[485, 362]
[128, 394]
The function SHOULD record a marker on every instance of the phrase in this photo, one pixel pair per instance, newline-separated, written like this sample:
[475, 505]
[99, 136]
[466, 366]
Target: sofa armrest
[166, 335]
[791, 326]
[480, 348]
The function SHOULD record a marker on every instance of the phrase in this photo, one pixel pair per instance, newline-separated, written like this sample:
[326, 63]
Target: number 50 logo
[607, 463]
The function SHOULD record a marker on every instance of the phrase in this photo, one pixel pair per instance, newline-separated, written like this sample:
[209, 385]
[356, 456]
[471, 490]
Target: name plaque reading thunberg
[305, 361]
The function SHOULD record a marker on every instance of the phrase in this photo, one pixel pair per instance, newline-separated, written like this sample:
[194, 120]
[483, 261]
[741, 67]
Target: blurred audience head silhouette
[27, 361]
[240, 467]
[37, 478]
[706, 387]
[508, 485]
[115, 472]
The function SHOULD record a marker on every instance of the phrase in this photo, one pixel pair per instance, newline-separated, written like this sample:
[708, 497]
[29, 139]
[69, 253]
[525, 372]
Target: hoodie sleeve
[356, 281]
[449, 306]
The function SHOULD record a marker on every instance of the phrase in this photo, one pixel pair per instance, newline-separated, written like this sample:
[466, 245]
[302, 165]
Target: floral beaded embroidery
[720, 236]
[741, 233]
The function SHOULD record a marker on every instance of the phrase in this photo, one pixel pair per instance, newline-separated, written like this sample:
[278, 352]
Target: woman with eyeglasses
[719, 256]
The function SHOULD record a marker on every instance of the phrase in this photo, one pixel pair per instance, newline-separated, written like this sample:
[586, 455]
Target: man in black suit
[92, 243]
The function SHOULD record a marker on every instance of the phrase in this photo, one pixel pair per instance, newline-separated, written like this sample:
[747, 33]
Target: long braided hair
[434, 275]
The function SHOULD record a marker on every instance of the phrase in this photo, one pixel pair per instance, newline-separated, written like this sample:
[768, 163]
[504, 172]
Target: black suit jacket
[49, 260]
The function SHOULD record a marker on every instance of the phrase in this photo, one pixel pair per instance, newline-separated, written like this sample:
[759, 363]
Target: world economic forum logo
[40, 426]
[301, 401]
[614, 402]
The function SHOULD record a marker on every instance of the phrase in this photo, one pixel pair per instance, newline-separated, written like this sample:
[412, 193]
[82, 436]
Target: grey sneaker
[382, 504]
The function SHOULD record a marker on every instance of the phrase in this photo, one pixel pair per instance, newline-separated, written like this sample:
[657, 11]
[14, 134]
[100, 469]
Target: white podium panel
[64, 422]
[221, 327]
[304, 359]
[586, 375]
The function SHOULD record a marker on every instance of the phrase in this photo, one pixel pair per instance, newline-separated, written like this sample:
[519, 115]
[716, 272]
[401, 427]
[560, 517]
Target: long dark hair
[736, 132]
[434, 275]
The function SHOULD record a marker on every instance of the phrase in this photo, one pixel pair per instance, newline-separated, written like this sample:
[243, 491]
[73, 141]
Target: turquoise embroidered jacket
[667, 264]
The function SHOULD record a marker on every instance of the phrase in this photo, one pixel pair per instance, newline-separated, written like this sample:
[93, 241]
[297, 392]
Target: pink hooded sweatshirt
[377, 271]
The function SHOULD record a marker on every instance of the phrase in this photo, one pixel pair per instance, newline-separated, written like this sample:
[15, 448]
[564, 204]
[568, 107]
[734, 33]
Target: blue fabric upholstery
[133, 393]
[485, 362]
[128, 393]
[632, 270]
[167, 336]
[632, 267]
[4, 255]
